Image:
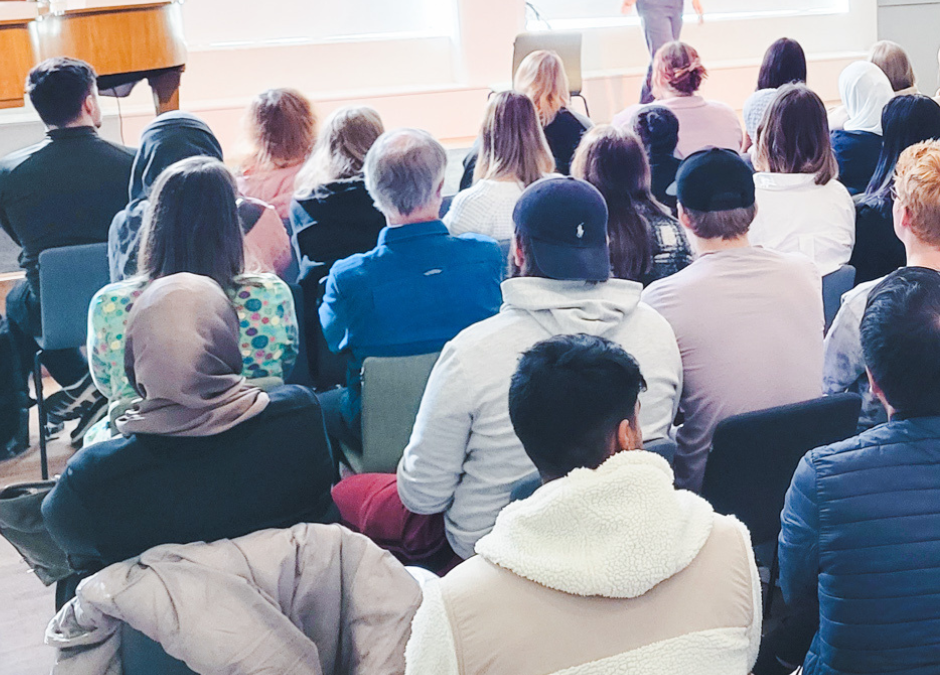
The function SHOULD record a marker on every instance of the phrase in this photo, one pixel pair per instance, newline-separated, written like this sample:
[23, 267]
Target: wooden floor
[25, 604]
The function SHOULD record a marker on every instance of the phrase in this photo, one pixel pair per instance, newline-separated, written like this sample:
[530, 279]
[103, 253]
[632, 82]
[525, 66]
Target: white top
[485, 208]
[464, 457]
[794, 215]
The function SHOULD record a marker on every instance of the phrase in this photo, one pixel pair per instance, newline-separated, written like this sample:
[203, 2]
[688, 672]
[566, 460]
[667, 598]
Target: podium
[124, 42]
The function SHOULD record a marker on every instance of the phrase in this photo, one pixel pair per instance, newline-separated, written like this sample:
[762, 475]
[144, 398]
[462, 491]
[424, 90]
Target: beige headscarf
[182, 357]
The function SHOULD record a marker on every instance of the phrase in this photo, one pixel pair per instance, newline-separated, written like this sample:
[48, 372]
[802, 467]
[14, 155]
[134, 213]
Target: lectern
[124, 42]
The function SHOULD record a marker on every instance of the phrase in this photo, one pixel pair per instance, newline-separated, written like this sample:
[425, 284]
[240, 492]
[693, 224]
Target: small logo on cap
[580, 231]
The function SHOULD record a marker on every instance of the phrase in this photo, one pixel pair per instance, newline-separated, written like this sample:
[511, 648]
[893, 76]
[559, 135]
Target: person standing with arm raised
[662, 23]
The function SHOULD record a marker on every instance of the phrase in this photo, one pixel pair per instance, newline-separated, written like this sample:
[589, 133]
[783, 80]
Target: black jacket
[878, 251]
[63, 191]
[857, 153]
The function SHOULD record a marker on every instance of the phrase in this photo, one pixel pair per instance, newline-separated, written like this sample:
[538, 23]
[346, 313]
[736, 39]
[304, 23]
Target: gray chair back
[834, 286]
[566, 45]
[392, 388]
[69, 277]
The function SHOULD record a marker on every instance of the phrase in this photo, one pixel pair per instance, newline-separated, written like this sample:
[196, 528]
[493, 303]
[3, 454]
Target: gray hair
[403, 170]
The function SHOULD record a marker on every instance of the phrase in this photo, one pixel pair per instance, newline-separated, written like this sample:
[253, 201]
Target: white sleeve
[431, 649]
[456, 217]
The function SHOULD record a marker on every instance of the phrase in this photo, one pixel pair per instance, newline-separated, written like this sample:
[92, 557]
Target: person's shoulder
[10, 162]
[119, 151]
[119, 290]
[476, 242]
[291, 400]
[267, 281]
[100, 462]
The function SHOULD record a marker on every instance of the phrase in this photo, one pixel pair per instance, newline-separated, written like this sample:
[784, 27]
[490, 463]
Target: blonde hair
[678, 68]
[917, 181]
[281, 127]
[893, 60]
[341, 148]
[512, 143]
[541, 76]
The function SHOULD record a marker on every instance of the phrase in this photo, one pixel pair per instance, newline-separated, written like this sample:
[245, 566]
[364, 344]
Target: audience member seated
[541, 76]
[463, 459]
[748, 320]
[203, 454]
[658, 128]
[893, 60]
[166, 140]
[860, 529]
[40, 209]
[916, 208]
[513, 155]
[865, 90]
[646, 243]
[332, 215]
[417, 288]
[906, 120]
[282, 128]
[192, 226]
[607, 567]
[801, 207]
[784, 63]
[677, 75]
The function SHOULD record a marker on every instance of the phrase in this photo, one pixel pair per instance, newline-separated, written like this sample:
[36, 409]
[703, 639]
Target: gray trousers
[662, 23]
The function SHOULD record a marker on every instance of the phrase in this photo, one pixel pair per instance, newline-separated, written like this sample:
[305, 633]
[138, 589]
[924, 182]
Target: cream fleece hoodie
[464, 457]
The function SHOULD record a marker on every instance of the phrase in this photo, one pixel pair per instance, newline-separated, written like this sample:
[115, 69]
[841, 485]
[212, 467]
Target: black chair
[301, 373]
[754, 456]
[834, 286]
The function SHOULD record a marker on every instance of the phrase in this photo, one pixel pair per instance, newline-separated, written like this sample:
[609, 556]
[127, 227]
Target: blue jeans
[662, 23]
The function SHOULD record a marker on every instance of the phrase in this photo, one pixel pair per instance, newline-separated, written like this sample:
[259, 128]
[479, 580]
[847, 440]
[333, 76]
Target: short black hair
[567, 399]
[658, 129]
[58, 88]
[901, 340]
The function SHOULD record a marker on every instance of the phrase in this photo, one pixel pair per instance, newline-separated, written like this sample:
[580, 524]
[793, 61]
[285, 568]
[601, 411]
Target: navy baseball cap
[714, 180]
[565, 219]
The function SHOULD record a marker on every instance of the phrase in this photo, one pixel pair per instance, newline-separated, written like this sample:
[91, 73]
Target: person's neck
[80, 121]
[423, 215]
[703, 246]
[922, 255]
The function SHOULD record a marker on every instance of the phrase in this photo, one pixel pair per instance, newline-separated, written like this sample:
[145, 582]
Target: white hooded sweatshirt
[603, 571]
[464, 457]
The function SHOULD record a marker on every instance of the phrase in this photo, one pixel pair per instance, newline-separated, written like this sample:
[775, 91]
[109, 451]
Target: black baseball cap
[565, 219]
[714, 180]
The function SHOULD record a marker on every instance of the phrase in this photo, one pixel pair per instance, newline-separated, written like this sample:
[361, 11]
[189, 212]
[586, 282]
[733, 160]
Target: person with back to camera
[658, 127]
[606, 568]
[678, 74]
[662, 22]
[784, 63]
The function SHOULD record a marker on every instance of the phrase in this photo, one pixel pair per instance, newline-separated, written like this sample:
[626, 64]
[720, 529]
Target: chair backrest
[754, 456]
[69, 277]
[392, 388]
[505, 246]
[301, 372]
[566, 45]
[834, 286]
[142, 656]
[445, 205]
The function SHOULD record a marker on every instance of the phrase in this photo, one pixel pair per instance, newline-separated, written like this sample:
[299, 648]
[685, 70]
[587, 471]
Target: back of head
[340, 152]
[900, 334]
[784, 63]
[512, 143]
[615, 163]
[917, 189]
[58, 87]
[865, 91]
[404, 171]
[715, 190]
[793, 136]
[567, 399]
[282, 128]
[677, 69]
[658, 128]
[892, 59]
[906, 120]
[541, 76]
[192, 224]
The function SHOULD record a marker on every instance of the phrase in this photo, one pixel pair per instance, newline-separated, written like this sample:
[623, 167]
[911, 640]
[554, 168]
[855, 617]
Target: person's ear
[440, 190]
[684, 218]
[518, 257]
[878, 393]
[629, 434]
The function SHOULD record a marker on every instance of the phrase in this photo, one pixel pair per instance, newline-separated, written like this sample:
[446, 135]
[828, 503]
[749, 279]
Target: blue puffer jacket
[861, 532]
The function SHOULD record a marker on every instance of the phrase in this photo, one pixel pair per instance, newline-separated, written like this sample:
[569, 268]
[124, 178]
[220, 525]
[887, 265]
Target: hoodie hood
[615, 531]
[569, 307]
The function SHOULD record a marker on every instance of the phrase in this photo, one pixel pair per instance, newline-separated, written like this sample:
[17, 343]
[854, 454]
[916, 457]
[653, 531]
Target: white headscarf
[865, 90]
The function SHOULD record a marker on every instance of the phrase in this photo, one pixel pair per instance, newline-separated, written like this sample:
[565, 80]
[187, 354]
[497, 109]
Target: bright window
[578, 14]
[212, 24]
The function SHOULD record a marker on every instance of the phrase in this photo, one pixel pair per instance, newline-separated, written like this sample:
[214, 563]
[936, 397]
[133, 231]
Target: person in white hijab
[865, 90]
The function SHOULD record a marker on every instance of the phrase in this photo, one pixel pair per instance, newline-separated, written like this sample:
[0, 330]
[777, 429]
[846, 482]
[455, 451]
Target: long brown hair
[282, 127]
[615, 162]
[512, 143]
[678, 69]
[541, 76]
[793, 136]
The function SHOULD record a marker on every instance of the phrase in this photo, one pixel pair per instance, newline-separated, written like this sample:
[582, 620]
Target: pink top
[702, 123]
[273, 186]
